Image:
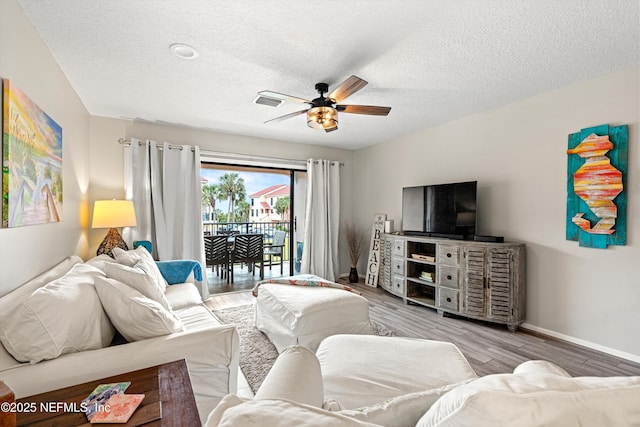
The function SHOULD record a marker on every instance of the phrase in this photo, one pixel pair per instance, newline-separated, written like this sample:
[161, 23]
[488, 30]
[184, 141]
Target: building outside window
[267, 199]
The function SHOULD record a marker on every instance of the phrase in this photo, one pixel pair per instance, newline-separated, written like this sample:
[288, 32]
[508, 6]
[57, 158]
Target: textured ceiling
[431, 61]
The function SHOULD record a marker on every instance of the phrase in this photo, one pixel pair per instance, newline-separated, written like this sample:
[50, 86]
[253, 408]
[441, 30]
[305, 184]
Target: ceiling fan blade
[286, 116]
[364, 109]
[347, 88]
[283, 97]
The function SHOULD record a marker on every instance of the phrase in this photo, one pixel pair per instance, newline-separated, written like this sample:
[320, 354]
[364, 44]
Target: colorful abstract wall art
[31, 161]
[596, 180]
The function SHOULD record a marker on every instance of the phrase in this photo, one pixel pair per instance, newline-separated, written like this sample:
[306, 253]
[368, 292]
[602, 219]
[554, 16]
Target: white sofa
[211, 350]
[537, 393]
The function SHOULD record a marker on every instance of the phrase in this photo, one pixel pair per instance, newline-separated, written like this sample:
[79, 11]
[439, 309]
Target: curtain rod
[236, 156]
[127, 141]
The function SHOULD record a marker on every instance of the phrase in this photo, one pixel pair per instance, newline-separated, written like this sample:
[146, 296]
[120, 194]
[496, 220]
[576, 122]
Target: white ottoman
[360, 371]
[305, 315]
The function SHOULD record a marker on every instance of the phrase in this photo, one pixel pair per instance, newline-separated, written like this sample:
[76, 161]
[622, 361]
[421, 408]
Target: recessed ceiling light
[183, 51]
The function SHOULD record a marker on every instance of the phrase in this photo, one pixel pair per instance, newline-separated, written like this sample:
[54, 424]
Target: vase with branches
[355, 244]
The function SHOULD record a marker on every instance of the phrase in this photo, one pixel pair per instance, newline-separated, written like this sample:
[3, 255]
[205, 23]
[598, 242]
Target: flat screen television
[444, 210]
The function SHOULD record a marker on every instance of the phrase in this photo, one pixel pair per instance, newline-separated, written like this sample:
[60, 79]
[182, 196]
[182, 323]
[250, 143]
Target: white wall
[517, 155]
[26, 61]
[107, 158]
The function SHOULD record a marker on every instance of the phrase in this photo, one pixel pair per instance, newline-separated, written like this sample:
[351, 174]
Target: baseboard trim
[584, 343]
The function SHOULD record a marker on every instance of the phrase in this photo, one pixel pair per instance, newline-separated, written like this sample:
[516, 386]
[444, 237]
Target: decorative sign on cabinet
[479, 280]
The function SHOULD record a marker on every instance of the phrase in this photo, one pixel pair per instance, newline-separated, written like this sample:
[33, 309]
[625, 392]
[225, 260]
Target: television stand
[478, 280]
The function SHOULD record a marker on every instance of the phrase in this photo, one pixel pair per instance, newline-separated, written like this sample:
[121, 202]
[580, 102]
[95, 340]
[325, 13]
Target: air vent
[265, 100]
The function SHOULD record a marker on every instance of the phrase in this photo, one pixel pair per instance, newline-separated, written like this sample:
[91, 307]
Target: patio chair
[275, 248]
[248, 248]
[216, 250]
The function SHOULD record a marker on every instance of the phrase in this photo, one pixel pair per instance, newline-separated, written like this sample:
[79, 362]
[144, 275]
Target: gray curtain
[163, 180]
[322, 217]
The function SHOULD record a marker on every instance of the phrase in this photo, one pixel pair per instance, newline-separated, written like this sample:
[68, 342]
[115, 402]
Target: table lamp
[113, 214]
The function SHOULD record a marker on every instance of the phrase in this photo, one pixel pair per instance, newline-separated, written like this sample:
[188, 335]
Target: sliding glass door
[255, 199]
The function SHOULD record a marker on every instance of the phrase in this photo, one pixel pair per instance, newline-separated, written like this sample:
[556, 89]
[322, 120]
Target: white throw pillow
[135, 316]
[64, 316]
[128, 258]
[538, 399]
[140, 258]
[100, 261]
[401, 411]
[138, 280]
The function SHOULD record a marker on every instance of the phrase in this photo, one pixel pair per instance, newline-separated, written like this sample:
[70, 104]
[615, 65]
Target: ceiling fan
[323, 111]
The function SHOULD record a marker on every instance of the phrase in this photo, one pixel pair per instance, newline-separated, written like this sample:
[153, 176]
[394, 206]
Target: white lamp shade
[113, 214]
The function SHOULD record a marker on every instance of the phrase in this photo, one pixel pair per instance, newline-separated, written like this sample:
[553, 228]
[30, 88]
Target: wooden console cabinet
[479, 280]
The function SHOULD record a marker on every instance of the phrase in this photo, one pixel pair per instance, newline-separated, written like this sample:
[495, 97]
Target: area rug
[257, 354]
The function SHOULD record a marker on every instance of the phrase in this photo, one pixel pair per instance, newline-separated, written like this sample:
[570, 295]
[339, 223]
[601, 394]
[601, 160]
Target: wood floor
[489, 348]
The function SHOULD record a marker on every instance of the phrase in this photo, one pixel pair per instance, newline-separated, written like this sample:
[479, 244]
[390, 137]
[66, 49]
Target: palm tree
[232, 189]
[242, 210]
[221, 216]
[282, 207]
[209, 195]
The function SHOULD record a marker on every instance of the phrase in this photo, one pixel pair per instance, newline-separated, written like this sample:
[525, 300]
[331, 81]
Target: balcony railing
[265, 228]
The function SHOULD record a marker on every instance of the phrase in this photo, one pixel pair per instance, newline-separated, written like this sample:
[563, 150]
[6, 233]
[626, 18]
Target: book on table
[118, 409]
[107, 403]
[100, 395]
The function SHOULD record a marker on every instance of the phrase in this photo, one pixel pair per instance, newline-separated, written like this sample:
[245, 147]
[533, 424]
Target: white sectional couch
[210, 349]
[537, 393]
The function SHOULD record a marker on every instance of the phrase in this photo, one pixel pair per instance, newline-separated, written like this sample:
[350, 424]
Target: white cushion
[540, 367]
[138, 280]
[141, 258]
[135, 316]
[64, 316]
[363, 370]
[238, 412]
[182, 295]
[538, 400]
[9, 301]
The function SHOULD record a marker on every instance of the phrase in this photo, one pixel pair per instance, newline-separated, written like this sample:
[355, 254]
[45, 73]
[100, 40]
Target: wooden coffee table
[168, 399]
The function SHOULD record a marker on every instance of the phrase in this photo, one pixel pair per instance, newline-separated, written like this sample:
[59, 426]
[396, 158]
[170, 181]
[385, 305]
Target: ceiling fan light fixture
[325, 118]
